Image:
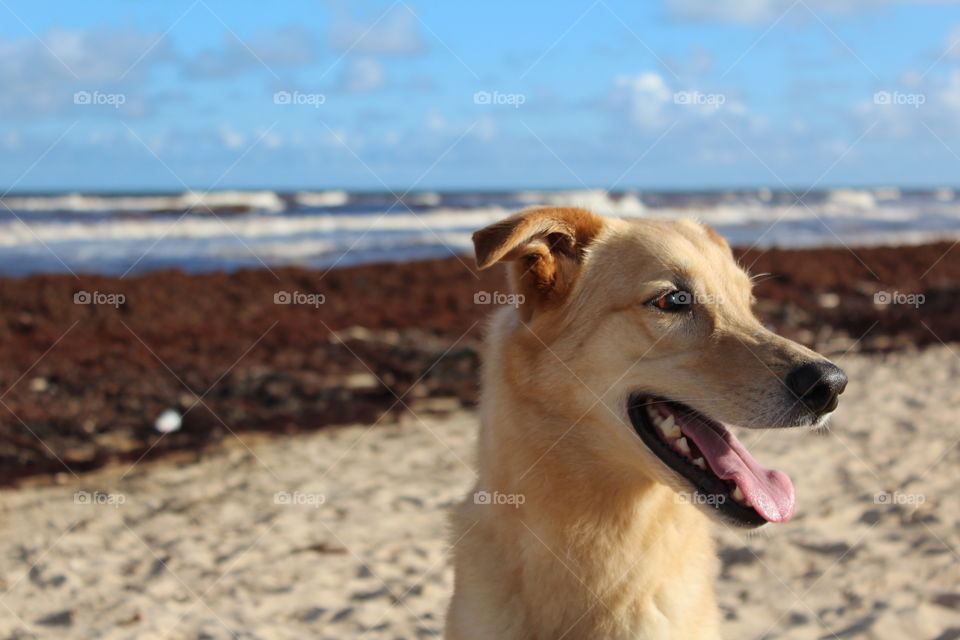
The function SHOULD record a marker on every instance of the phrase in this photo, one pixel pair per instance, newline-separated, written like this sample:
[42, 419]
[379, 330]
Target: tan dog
[605, 396]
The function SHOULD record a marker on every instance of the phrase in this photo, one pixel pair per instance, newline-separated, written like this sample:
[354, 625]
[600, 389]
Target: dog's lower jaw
[584, 556]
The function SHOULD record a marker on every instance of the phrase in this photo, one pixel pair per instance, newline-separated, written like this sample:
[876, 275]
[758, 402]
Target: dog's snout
[817, 385]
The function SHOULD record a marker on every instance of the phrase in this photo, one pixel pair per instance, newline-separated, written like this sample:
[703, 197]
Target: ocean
[123, 235]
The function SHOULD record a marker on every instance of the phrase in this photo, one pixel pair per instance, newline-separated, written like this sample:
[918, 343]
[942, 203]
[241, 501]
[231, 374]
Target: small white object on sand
[168, 422]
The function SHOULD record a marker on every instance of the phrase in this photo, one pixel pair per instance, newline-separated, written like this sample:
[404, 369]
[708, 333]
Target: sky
[420, 95]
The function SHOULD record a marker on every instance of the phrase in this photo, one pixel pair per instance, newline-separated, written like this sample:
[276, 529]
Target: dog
[603, 448]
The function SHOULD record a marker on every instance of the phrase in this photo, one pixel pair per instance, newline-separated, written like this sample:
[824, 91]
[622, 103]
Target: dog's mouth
[706, 454]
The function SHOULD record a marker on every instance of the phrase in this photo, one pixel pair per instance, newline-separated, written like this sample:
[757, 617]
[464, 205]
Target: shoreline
[84, 383]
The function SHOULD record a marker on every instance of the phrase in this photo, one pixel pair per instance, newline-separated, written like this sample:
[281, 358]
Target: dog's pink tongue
[768, 491]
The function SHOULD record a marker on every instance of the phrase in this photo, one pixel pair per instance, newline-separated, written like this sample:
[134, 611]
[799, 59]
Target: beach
[323, 426]
[341, 532]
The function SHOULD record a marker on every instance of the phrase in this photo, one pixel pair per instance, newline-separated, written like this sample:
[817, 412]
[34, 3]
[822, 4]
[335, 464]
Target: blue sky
[669, 94]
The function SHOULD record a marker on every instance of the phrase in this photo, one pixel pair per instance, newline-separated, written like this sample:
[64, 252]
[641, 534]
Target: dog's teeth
[670, 428]
[667, 426]
[663, 429]
[698, 462]
[738, 495]
[683, 446]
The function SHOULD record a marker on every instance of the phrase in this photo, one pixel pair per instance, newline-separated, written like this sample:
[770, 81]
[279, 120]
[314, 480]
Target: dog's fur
[600, 547]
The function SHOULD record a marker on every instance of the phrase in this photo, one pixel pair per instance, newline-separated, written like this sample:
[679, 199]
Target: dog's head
[646, 328]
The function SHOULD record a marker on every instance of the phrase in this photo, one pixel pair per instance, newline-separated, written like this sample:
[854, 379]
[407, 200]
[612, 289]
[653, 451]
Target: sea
[196, 231]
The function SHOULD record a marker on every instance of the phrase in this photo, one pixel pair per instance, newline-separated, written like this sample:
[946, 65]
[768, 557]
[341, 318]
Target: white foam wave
[112, 244]
[321, 198]
[852, 198]
[596, 200]
[16, 233]
[253, 200]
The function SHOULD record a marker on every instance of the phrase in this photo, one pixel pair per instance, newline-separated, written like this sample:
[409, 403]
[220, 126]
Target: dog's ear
[719, 239]
[546, 245]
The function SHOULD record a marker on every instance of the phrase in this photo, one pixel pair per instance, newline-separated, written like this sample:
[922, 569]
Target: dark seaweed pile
[82, 384]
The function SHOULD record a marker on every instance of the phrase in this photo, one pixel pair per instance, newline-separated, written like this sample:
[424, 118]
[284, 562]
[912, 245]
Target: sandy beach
[340, 533]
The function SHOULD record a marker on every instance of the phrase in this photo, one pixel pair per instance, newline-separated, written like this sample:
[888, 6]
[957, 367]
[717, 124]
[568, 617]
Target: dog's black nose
[817, 385]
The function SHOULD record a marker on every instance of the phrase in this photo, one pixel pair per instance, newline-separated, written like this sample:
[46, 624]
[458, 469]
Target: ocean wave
[321, 198]
[325, 228]
[191, 226]
[190, 200]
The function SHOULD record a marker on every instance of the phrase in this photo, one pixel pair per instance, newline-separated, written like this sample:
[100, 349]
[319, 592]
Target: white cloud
[41, 78]
[12, 141]
[951, 47]
[748, 11]
[287, 47]
[434, 121]
[949, 94]
[644, 97]
[649, 103]
[232, 139]
[908, 111]
[394, 33]
[486, 129]
[363, 75]
[727, 10]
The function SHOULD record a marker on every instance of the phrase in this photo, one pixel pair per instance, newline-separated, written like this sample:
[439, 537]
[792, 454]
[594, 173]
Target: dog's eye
[674, 301]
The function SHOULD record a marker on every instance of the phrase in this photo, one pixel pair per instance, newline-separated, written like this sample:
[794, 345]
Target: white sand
[202, 550]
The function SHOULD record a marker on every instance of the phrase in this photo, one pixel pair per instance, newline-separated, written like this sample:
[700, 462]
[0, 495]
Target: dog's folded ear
[546, 245]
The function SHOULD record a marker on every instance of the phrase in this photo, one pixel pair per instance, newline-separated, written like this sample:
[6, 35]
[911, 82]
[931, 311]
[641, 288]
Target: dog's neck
[610, 547]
